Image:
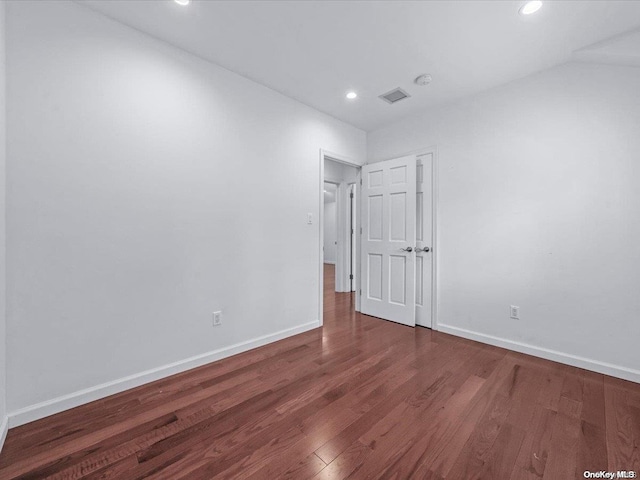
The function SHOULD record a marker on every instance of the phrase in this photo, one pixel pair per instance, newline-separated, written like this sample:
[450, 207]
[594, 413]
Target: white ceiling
[314, 51]
[619, 50]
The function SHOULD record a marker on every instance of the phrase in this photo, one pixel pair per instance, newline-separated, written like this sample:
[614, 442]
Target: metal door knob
[408, 249]
[425, 249]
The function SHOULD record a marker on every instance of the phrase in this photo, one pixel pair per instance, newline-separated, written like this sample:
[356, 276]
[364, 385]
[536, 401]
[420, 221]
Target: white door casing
[424, 239]
[388, 219]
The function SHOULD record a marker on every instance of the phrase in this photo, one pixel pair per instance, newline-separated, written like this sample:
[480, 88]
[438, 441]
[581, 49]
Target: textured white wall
[145, 189]
[540, 208]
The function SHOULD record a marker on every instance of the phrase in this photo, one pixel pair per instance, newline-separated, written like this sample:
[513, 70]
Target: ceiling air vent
[395, 95]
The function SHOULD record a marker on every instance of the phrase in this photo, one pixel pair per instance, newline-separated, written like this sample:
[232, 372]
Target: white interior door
[424, 239]
[388, 238]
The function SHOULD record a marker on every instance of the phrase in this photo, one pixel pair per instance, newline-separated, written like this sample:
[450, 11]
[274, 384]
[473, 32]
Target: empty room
[320, 239]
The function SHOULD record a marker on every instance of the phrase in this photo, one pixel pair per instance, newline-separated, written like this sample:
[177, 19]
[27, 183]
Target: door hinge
[360, 181]
[360, 230]
[360, 292]
[351, 195]
[351, 276]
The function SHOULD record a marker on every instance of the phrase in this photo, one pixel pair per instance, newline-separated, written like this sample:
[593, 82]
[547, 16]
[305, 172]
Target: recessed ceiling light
[530, 7]
[183, 2]
[352, 95]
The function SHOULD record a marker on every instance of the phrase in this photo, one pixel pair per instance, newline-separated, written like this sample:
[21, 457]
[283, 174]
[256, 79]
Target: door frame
[433, 150]
[335, 157]
[435, 181]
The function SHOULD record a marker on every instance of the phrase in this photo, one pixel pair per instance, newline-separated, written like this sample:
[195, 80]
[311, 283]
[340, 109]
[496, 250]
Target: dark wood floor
[360, 398]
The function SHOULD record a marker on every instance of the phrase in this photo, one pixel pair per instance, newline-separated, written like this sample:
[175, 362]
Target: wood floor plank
[358, 398]
[473, 455]
[114, 471]
[501, 458]
[534, 451]
[551, 389]
[394, 436]
[59, 464]
[347, 464]
[592, 448]
[562, 461]
[333, 447]
[439, 450]
[573, 385]
[622, 427]
[524, 396]
[304, 469]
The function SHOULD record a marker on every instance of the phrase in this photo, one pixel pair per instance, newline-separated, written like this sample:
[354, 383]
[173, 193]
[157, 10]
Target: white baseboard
[573, 360]
[4, 428]
[329, 262]
[65, 402]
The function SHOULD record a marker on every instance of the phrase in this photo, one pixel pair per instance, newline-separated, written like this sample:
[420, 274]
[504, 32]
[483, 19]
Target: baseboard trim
[327, 262]
[568, 359]
[4, 428]
[65, 402]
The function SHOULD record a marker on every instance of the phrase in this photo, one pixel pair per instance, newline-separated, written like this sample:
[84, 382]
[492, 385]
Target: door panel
[375, 218]
[399, 175]
[389, 226]
[374, 276]
[375, 178]
[398, 219]
[397, 279]
[424, 238]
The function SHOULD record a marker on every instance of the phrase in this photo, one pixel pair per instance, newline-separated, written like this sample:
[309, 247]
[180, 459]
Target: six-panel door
[388, 239]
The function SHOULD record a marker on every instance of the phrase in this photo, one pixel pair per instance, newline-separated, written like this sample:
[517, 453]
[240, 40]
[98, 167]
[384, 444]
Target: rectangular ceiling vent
[395, 95]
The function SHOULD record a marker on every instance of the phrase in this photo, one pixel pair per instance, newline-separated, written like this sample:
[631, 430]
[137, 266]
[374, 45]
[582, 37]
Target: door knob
[425, 249]
[408, 249]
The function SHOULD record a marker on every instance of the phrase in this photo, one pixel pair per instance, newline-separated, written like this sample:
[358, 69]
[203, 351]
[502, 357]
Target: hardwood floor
[359, 398]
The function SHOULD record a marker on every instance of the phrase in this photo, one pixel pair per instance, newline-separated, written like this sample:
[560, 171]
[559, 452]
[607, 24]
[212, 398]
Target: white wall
[330, 234]
[3, 345]
[539, 208]
[140, 199]
[330, 227]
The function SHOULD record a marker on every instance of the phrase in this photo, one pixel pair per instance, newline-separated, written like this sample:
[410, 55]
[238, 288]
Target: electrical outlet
[217, 318]
[515, 312]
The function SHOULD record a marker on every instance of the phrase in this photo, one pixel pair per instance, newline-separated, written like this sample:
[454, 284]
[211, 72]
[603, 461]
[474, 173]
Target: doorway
[339, 224]
[386, 237]
[330, 222]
